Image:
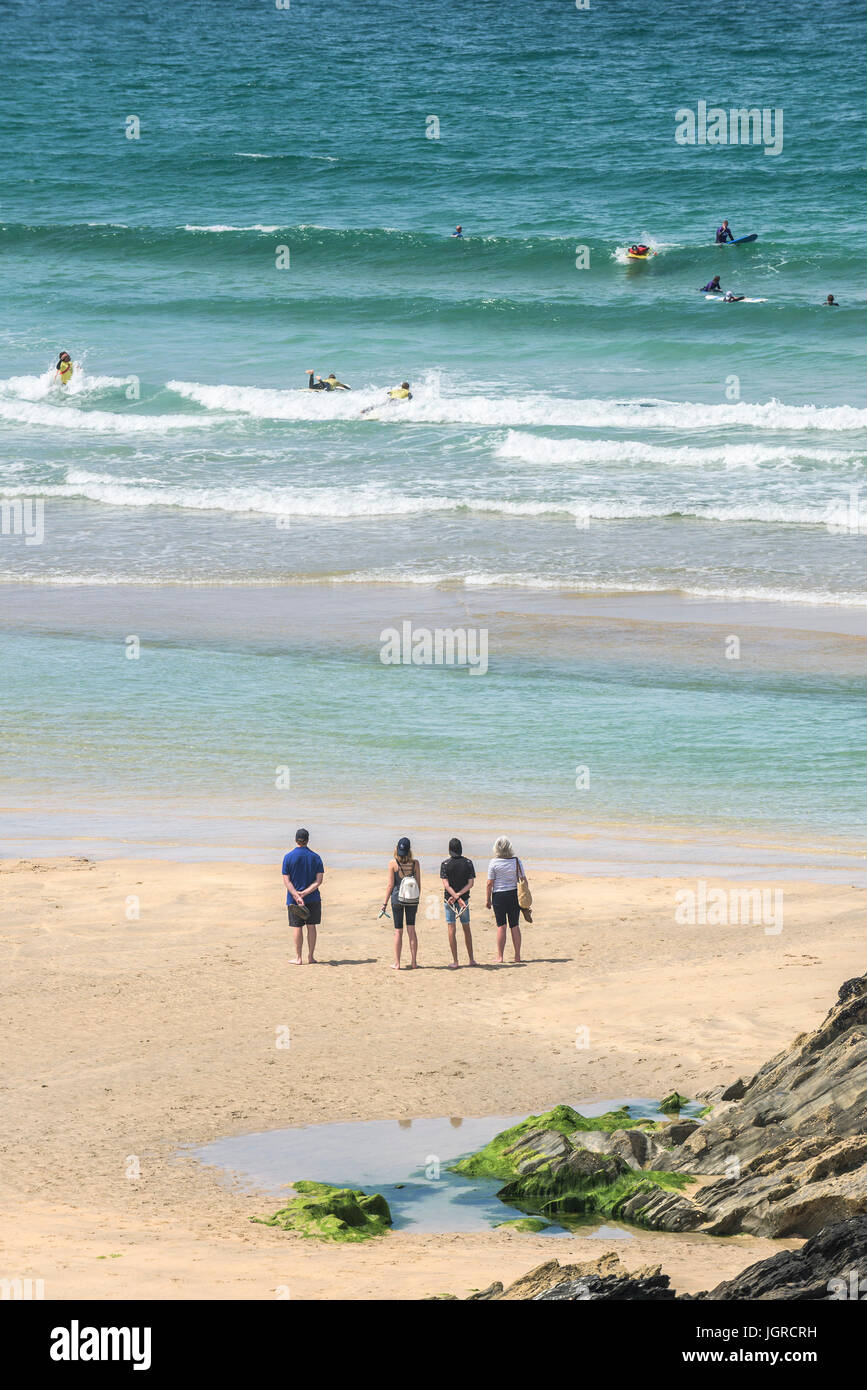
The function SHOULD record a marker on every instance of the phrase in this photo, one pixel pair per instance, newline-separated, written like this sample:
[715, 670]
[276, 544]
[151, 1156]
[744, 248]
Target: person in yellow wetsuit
[64, 368]
[397, 393]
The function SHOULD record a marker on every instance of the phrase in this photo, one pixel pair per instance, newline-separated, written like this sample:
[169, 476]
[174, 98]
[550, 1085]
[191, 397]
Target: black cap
[455, 846]
[403, 845]
[302, 835]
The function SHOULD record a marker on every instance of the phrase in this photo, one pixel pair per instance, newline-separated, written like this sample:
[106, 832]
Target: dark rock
[628, 1288]
[822, 1270]
[736, 1091]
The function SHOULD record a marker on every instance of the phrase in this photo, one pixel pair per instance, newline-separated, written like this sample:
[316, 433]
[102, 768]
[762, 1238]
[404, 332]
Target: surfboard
[720, 298]
[644, 257]
[740, 240]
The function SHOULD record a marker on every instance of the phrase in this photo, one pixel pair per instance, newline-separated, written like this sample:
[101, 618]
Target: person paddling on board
[712, 287]
[64, 368]
[729, 298]
[329, 384]
[397, 393]
[724, 233]
[639, 249]
[832, 302]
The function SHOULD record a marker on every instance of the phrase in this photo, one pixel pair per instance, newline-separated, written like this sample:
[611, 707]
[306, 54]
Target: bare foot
[296, 961]
[472, 962]
[395, 966]
[454, 965]
[499, 960]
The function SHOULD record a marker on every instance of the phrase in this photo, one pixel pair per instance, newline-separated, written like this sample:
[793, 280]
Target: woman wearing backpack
[505, 878]
[404, 890]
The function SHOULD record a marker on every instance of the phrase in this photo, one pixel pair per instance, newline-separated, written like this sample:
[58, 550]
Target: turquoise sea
[584, 429]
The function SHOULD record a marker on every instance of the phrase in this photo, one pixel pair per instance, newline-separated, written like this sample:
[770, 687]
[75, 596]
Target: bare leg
[468, 942]
[311, 944]
[298, 938]
[398, 942]
[516, 942]
[453, 945]
[501, 943]
[413, 946]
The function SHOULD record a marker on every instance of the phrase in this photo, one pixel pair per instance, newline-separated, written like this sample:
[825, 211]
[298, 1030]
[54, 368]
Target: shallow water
[405, 1160]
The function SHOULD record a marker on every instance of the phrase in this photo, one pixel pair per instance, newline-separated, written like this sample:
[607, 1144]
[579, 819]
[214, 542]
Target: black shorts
[315, 910]
[505, 904]
[398, 909]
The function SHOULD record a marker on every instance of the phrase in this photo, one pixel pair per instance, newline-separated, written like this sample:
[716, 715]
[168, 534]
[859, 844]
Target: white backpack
[408, 890]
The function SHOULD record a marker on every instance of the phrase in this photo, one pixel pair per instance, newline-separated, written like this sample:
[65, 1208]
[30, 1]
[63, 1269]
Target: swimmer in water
[712, 287]
[458, 231]
[64, 369]
[832, 302]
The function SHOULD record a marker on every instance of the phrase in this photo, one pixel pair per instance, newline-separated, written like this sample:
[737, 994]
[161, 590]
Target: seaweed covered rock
[332, 1213]
[673, 1102]
[549, 1131]
[550, 1172]
[529, 1225]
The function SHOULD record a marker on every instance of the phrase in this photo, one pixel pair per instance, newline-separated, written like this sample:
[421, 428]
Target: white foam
[99, 421]
[538, 449]
[221, 227]
[429, 407]
[342, 504]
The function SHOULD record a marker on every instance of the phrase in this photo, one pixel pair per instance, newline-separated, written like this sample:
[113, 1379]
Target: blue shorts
[451, 915]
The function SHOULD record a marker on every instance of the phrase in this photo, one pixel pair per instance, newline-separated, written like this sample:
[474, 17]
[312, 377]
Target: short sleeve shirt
[301, 865]
[457, 871]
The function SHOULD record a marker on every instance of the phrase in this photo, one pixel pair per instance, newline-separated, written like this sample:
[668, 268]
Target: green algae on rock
[602, 1189]
[673, 1102]
[531, 1224]
[323, 1212]
[493, 1161]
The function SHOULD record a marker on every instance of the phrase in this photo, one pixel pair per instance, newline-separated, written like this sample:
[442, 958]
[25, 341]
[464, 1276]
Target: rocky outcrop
[831, 1267]
[789, 1156]
[606, 1278]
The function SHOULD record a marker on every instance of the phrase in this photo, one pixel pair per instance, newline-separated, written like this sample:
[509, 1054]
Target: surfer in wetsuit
[329, 384]
[64, 368]
[729, 298]
[458, 231]
[832, 302]
[724, 233]
[397, 393]
[712, 287]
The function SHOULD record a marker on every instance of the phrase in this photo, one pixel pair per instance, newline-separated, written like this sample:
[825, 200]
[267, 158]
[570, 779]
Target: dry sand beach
[126, 1040]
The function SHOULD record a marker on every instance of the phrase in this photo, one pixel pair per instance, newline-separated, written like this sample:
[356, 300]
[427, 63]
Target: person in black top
[458, 874]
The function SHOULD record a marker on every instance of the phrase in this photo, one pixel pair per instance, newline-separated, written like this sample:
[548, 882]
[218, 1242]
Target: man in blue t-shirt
[303, 872]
